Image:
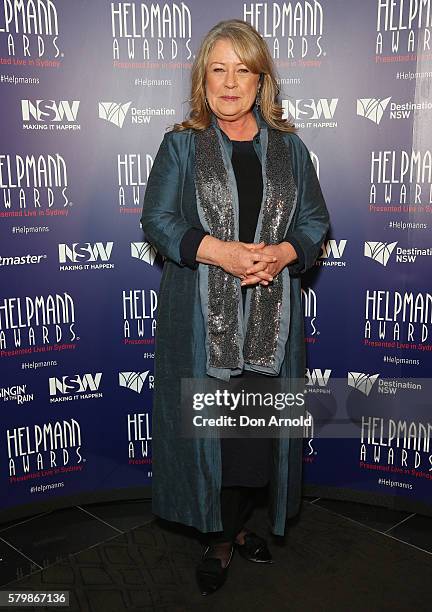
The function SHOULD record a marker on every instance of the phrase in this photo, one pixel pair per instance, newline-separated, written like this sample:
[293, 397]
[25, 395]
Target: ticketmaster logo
[144, 251]
[133, 380]
[113, 112]
[372, 108]
[379, 251]
[362, 382]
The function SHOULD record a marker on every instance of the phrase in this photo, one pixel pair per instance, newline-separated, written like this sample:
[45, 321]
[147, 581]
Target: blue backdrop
[87, 91]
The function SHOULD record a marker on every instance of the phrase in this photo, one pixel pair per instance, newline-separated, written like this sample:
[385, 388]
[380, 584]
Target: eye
[217, 69]
[245, 70]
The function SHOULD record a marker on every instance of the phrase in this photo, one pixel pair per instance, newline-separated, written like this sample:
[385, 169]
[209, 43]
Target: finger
[252, 246]
[257, 267]
[263, 276]
[261, 266]
[251, 280]
[264, 257]
[258, 277]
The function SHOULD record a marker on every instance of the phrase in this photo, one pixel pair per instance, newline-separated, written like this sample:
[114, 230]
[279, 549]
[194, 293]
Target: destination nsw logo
[404, 29]
[116, 113]
[29, 33]
[386, 386]
[37, 451]
[395, 319]
[34, 185]
[37, 324]
[383, 252]
[293, 30]
[144, 33]
[374, 109]
[144, 251]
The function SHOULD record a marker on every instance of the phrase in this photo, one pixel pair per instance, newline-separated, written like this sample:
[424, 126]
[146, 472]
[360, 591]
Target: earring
[258, 98]
[206, 103]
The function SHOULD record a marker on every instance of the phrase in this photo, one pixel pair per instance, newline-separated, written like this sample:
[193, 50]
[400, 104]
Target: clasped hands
[256, 263]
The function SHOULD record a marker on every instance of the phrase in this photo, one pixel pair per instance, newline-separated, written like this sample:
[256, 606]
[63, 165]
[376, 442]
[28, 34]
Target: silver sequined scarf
[254, 340]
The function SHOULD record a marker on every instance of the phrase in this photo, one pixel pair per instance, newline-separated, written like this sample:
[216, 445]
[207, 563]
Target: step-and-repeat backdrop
[87, 92]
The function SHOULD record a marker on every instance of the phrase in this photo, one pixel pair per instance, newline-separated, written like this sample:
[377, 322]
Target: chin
[230, 112]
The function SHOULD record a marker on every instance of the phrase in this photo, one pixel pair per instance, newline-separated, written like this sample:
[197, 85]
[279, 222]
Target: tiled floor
[31, 544]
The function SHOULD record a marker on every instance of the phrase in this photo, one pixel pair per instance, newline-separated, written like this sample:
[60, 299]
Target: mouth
[230, 98]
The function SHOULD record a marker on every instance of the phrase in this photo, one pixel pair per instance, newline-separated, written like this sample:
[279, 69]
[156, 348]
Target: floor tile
[8, 524]
[417, 530]
[13, 565]
[124, 515]
[375, 517]
[53, 536]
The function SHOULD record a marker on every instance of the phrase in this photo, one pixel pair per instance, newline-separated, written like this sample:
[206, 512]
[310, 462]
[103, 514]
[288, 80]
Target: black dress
[245, 461]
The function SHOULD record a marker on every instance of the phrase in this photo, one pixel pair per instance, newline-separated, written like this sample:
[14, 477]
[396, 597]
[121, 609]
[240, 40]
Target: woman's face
[231, 88]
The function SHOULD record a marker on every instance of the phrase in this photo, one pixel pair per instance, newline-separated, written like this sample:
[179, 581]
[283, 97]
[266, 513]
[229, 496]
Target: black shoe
[254, 549]
[210, 573]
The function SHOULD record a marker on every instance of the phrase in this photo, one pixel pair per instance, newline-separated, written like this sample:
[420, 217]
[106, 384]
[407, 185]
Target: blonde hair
[253, 52]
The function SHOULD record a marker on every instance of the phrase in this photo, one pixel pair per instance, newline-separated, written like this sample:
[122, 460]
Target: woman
[234, 205]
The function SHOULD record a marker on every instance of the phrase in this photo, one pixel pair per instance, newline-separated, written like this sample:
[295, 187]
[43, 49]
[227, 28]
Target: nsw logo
[317, 377]
[379, 251]
[85, 251]
[362, 382]
[372, 108]
[75, 385]
[332, 254]
[113, 112]
[135, 380]
[144, 251]
[50, 110]
[310, 109]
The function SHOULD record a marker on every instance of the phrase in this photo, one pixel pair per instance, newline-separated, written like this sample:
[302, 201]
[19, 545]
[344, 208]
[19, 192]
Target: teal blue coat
[187, 472]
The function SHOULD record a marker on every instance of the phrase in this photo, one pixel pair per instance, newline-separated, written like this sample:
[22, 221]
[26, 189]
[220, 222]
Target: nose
[230, 79]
